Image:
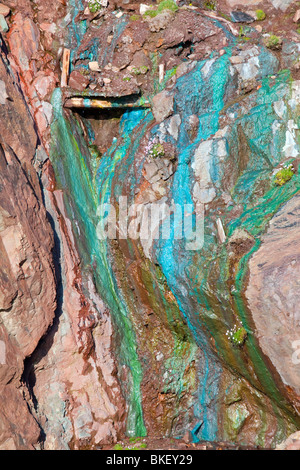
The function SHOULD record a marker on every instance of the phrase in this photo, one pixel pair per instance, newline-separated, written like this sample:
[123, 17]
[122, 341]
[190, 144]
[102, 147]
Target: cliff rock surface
[153, 331]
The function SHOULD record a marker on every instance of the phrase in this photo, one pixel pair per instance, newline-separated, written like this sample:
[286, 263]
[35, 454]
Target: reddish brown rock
[44, 83]
[30, 62]
[28, 292]
[27, 279]
[14, 115]
[187, 27]
[18, 429]
[4, 10]
[24, 45]
[273, 295]
[78, 81]
[140, 59]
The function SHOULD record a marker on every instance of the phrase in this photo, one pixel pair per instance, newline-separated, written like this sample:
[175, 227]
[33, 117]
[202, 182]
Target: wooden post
[221, 233]
[65, 68]
[161, 73]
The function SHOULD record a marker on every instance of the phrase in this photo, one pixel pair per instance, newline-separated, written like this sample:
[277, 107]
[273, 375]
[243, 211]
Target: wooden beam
[102, 104]
[65, 68]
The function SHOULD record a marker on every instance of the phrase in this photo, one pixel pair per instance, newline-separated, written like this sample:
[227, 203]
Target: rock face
[137, 334]
[28, 293]
[274, 270]
[28, 287]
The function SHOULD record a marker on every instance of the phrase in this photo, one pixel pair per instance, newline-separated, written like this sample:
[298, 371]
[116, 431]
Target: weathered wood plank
[103, 104]
[65, 68]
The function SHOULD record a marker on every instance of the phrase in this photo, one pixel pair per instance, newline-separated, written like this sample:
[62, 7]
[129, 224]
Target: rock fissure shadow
[104, 123]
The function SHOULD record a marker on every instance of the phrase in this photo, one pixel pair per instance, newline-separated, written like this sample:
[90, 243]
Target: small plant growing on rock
[167, 5]
[140, 70]
[134, 18]
[151, 13]
[210, 5]
[237, 335]
[242, 33]
[118, 447]
[163, 5]
[134, 444]
[94, 5]
[84, 72]
[284, 175]
[273, 42]
[260, 15]
[155, 149]
[95, 152]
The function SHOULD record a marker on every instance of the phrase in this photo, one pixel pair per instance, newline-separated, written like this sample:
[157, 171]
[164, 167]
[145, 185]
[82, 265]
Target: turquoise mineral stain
[70, 157]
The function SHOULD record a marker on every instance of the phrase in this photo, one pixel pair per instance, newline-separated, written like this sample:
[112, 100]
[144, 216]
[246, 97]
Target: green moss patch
[237, 335]
[210, 5]
[163, 5]
[273, 42]
[260, 15]
[284, 175]
[94, 6]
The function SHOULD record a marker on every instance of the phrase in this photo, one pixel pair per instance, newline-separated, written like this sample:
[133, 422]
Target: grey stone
[3, 25]
[174, 125]
[236, 60]
[41, 155]
[150, 170]
[161, 21]
[163, 106]
[241, 17]
[282, 4]
[3, 94]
